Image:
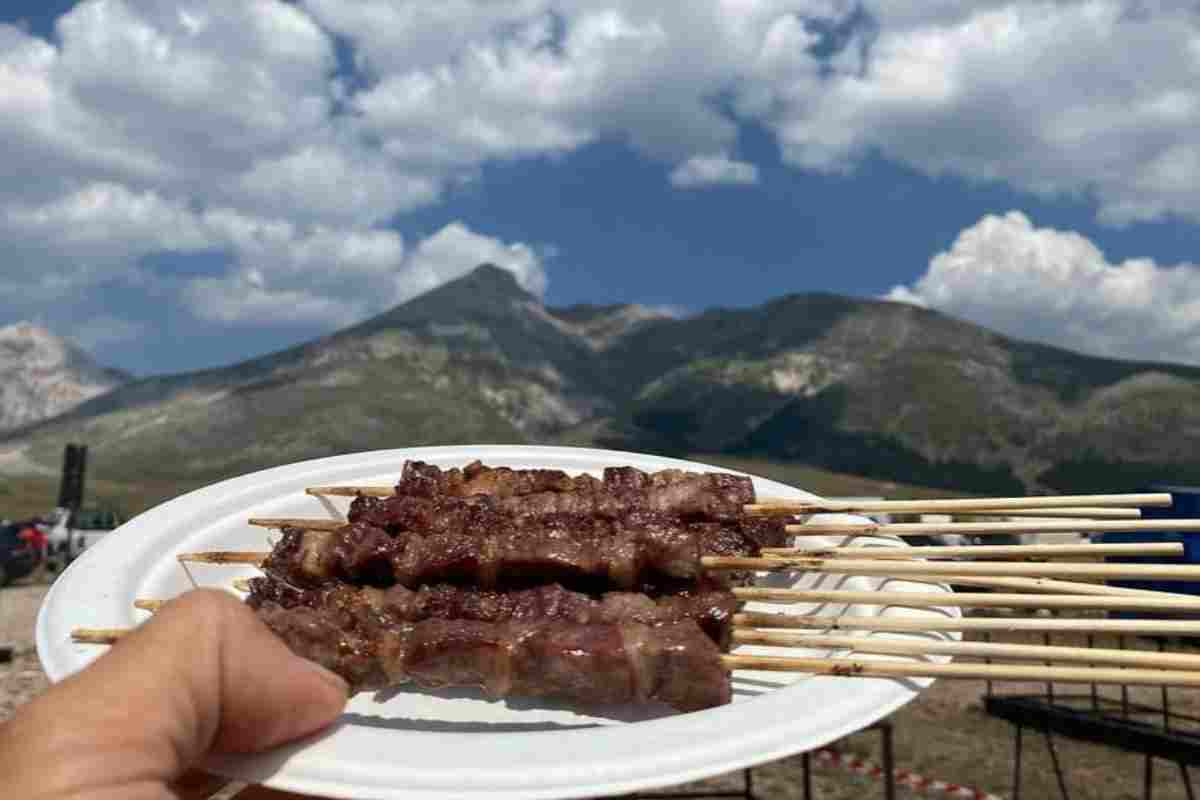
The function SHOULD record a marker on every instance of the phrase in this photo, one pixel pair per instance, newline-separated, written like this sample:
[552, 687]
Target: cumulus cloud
[248, 297]
[1058, 287]
[455, 250]
[374, 273]
[709, 170]
[1040, 95]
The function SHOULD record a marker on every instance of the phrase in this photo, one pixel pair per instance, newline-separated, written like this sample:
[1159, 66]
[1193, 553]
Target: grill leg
[1148, 774]
[1187, 781]
[1016, 782]
[1058, 773]
[748, 782]
[889, 762]
[806, 768]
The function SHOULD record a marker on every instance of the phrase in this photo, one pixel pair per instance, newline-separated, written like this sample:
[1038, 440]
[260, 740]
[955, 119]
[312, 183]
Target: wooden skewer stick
[894, 568]
[224, 557]
[297, 522]
[967, 600]
[1083, 513]
[1057, 510]
[1050, 585]
[351, 491]
[1074, 505]
[1026, 584]
[1018, 551]
[850, 566]
[946, 506]
[1032, 585]
[880, 646]
[992, 528]
[98, 635]
[767, 505]
[1170, 627]
[1035, 585]
[931, 600]
[975, 551]
[871, 668]
[935, 647]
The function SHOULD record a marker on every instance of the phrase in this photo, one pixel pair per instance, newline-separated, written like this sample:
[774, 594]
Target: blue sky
[190, 184]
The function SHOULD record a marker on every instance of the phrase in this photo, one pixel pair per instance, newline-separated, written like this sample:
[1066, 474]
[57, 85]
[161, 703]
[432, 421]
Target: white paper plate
[455, 744]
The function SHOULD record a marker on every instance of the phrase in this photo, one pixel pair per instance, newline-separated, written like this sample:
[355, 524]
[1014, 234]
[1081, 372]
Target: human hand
[205, 675]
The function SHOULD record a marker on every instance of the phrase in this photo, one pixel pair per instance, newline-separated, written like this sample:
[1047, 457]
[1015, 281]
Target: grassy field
[22, 497]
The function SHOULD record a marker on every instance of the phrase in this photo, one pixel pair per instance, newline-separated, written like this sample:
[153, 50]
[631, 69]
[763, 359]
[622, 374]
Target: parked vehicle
[18, 558]
[70, 533]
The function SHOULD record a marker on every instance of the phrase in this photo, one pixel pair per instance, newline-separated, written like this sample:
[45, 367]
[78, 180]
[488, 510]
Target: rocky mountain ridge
[45, 375]
[874, 388]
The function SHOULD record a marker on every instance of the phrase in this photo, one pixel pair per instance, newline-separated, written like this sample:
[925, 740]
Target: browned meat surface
[427, 480]
[673, 663]
[481, 517]
[698, 495]
[711, 607]
[540, 551]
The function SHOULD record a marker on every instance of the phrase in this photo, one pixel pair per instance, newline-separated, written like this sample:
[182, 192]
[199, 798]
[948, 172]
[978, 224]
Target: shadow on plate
[449, 726]
[614, 713]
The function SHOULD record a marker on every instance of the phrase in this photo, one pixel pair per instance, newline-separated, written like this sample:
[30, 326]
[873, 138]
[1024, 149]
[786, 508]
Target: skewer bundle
[490, 577]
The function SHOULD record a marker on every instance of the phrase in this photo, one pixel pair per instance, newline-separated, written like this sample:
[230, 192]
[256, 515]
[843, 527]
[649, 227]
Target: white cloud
[497, 80]
[709, 170]
[284, 275]
[455, 250]
[156, 126]
[1058, 287]
[1087, 98]
[246, 297]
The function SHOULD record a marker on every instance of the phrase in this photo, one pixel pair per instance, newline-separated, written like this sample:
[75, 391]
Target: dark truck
[18, 558]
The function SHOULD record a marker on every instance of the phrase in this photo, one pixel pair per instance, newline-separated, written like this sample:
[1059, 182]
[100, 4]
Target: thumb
[203, 675]
[236, 687]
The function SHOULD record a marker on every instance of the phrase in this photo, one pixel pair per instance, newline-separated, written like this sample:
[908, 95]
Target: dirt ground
[943, 735]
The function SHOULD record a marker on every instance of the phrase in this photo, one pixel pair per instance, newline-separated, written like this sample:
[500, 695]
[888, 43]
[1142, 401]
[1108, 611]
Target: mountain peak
[486, 292]
[489, 278]
[45, 375]
[25, 331]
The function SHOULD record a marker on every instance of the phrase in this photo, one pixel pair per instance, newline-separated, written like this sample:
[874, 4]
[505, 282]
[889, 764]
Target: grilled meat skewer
[480, 516]
[360, 553]
[693, 495]
[673, 663]
[711, 607]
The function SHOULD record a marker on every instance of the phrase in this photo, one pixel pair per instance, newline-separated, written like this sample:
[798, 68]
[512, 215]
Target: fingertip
[304, 704]
[274, 696]
[327, 700]
[329, 677]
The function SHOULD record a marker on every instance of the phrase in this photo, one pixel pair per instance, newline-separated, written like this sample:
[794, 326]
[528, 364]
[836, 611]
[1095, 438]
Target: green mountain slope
[883, 390]
[895, 392]
[477, 360]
